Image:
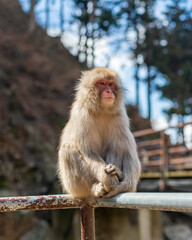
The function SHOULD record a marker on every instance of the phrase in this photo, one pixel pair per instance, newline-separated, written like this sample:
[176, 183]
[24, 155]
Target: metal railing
[180, 202]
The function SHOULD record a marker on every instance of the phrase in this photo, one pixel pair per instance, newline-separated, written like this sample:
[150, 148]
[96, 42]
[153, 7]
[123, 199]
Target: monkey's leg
[81, 176]
[72, 172]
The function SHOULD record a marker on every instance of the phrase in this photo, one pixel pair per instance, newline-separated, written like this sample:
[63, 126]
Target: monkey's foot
[98, 190]
[113, 170]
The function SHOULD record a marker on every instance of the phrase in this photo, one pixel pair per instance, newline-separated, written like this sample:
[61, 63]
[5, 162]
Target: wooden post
[164, 163]
[145, 224]
[157, 230]
[87, 223]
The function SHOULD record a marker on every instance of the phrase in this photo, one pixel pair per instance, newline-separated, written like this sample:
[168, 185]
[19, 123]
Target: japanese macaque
[97, 153]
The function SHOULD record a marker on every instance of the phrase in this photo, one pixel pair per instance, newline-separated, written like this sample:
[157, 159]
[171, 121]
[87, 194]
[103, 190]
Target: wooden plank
[151, 131]
[180, 149]
[145, 132]
[170, 174]
[179, 174]
[181, 166]
[153, 152]
[180, 160]
[149, 143]
[181, 125]
[153, 163]
[151, 175]
[187, 165]
[149, 154]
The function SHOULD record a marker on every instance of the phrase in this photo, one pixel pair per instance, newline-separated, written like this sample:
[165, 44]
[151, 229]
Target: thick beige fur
[97, 153]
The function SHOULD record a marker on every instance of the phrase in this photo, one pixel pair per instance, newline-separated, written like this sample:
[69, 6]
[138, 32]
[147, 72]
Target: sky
[120, 59]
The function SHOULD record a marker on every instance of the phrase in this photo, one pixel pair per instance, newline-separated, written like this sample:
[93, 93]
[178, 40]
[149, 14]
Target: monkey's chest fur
[106, 133]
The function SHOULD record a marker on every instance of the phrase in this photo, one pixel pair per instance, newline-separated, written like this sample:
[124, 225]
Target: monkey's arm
[88, 165]
[131, 170]
[108, 175]
[95, 164]
[76, 167]
[131, 173]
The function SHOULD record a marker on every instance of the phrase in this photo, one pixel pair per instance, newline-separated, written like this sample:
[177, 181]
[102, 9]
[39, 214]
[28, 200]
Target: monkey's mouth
[108, 98]
[108, 101]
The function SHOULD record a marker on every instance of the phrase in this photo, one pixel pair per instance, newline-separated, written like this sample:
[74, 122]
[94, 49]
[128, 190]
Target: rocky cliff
[37, 76]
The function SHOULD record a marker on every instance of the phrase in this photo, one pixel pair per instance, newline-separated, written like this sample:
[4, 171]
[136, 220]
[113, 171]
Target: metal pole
[178, 202]
[44, 202]
[87, 222]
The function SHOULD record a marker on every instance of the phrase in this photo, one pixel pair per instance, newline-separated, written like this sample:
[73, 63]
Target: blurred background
[44, 46]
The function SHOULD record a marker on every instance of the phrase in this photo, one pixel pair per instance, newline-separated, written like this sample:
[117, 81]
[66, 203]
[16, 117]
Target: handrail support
[87, 222]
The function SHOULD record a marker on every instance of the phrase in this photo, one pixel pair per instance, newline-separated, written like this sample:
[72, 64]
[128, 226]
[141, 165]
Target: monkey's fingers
[110, 168]
[118, 173]
[113, 170]
[113, 192]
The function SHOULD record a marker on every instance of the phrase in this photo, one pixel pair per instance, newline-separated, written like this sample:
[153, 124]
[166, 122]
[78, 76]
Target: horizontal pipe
[43, 202]
[181, 202]
[178, 202]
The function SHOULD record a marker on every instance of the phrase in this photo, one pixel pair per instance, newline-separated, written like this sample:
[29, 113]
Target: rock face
[37, 76]
[178, 232]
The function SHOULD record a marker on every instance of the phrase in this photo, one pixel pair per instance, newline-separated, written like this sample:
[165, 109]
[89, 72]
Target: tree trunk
[149, 92]
[92, 20]
[32, 21]
[137, 85]
[79, 51]
[62, 17]
[47, 14]
[86, 45]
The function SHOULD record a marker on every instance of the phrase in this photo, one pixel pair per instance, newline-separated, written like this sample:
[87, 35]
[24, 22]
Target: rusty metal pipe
[44, 202]
[151, 201]
[155, 201]
[87, 222]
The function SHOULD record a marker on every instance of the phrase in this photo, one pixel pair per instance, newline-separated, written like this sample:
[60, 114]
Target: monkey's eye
[111, 84]
[101, 83]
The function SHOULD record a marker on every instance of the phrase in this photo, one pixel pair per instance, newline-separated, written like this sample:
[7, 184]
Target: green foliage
[95, 20]
[141, 20]
[158, 45]
[175, 60]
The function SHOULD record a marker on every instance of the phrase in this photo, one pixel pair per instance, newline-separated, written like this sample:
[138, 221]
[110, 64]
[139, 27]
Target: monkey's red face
[107, 90]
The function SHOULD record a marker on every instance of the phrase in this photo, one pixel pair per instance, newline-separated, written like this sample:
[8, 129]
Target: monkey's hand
[114, 170]
[98, 190]
[109, 180]
[119, 188]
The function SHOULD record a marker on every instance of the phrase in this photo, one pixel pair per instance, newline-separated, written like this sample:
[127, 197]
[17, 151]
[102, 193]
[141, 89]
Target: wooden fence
[161, 158]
